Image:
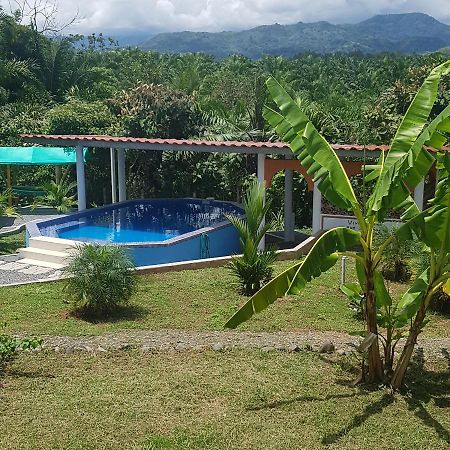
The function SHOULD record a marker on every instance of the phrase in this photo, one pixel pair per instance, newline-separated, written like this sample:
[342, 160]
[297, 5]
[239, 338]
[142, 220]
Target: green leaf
[361, 273]
[352, 290]
[446, 287]
[307, 144]
[382, 296]
[410, 302]
[431, 226]
[320, 258]
[407, 161]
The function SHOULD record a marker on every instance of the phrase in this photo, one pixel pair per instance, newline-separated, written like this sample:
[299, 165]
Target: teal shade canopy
[38, 155]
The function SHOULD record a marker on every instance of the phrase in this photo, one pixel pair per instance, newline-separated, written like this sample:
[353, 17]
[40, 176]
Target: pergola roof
[37, 155]
[269, 148]
[251, 147]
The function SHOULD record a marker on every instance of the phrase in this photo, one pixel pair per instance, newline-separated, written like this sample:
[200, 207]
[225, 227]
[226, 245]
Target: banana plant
[396, 175]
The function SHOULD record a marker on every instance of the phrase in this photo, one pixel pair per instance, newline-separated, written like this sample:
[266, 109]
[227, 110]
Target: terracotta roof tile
[185, 142]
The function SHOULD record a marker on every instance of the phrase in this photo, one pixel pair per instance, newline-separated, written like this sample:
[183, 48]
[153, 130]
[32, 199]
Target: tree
[405, 165]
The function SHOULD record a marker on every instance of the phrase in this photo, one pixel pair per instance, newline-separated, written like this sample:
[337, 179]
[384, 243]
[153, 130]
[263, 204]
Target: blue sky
[217, 15]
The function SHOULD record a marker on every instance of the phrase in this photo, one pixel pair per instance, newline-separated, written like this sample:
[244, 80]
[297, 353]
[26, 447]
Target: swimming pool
[155, 231]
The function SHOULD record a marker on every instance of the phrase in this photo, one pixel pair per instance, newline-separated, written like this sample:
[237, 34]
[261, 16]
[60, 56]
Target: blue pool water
[141, 221]
[153, 231]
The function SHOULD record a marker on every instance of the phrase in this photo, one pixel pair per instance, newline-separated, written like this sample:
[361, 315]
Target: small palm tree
[59, 195]
[100, 279]
[254, 267]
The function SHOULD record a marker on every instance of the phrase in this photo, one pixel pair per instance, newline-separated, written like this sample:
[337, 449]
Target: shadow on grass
[430, 387]
[374, 408]
[426, 387]
[15, 373]
[119, 314]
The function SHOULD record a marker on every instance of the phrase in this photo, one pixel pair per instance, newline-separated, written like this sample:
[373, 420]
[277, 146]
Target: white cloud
[218, 15]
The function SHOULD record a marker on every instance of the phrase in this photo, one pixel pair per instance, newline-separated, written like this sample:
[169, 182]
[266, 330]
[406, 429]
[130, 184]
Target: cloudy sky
[217, 15]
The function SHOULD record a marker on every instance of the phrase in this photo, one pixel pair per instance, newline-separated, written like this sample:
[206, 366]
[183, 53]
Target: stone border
[167, 340]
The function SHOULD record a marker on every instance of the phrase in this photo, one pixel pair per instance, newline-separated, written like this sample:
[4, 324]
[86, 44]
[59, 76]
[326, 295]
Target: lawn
[10, 244]
[192, 300]
[213, 400]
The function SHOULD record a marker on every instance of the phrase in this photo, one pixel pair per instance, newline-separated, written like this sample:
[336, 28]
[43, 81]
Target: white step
[44, 255]
[35, 262]
[49, 243]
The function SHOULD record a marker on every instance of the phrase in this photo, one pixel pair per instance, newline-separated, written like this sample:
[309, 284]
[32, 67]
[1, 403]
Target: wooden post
[9, 184]
[58, 174]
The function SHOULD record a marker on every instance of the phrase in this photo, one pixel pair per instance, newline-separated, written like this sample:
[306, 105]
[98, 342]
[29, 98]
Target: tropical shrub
[10, 346]
[403, 167]
[254, 267]
[58, 194]
[101, 278]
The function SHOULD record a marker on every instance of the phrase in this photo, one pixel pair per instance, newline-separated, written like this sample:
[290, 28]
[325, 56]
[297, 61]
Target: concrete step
[49, 243]
[44, 255]
[35, 262]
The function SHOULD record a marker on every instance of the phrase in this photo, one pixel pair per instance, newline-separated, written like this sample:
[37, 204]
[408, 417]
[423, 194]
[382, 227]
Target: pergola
[33, 156]
[350, 155]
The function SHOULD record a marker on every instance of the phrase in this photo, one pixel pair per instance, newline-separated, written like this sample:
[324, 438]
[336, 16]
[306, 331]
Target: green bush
[253, 272]
[101, 278]
[10, 346]
[59, 195]
[254, 267]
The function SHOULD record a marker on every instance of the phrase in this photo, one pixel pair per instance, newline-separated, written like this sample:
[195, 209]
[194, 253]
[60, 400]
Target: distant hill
[404, 33]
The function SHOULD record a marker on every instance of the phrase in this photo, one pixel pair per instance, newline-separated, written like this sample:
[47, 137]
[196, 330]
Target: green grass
[213, 400]
[10, 244]
[192, 300]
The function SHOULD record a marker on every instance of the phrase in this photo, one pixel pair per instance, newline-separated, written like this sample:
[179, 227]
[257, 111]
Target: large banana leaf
[408, 161]
[410, 302]
[321, 257]
[431, 226]
[313, 151]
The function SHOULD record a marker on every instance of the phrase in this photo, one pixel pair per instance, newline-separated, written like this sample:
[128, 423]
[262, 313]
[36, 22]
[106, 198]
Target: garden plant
[100, 279]
[404, 166]
[10, 346]
[59, 195]
[254, 267]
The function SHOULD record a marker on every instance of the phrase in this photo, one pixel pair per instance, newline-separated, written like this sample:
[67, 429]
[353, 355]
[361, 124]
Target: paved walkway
[13, 272]
[180, 340]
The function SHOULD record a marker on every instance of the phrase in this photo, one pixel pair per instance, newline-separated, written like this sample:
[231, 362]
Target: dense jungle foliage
[88, 85]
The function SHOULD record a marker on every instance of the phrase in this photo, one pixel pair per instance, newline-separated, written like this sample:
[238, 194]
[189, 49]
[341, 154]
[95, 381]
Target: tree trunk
[408, 349]
[374, 358]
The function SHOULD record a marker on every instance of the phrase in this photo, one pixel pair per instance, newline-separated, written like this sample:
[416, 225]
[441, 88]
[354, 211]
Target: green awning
[38, 155]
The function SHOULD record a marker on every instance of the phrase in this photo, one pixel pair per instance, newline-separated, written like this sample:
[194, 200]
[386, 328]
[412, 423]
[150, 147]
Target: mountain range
[403, 33]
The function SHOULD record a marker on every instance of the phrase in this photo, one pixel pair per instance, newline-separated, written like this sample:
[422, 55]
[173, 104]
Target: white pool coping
[287, 254]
